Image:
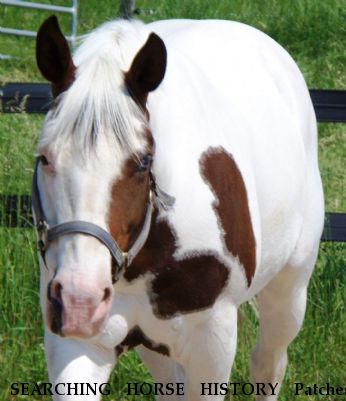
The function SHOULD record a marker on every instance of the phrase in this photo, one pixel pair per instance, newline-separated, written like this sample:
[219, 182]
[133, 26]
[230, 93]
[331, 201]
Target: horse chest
[176, 286]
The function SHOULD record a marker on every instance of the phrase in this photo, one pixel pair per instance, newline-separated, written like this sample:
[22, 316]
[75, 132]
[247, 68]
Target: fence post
[127, 8]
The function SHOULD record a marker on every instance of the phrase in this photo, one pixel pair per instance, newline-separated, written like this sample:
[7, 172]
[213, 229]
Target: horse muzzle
[77, 310]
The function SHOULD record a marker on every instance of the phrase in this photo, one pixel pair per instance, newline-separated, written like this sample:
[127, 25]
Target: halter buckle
[41, 226]
[42, 242]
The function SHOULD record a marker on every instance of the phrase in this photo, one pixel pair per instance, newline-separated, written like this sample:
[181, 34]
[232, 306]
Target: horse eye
[43, 160]
[145, 163]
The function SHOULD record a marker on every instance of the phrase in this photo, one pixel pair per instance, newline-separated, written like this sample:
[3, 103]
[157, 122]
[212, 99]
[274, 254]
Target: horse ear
[147, 69]
[53, 55]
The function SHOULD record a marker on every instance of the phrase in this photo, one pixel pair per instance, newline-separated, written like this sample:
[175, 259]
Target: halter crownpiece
[46, 235]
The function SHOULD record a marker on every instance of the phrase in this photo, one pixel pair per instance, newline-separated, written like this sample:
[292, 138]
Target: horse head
[93, 179]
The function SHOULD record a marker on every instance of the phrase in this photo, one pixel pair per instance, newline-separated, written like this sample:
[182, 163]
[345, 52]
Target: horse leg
[282, 308]
[77, 362]
[282, 302]
[163, 370]
[209, 355]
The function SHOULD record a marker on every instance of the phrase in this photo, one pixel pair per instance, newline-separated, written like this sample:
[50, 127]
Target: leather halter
[46, 234]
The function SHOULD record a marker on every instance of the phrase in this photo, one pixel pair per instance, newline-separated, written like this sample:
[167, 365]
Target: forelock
[98, 102]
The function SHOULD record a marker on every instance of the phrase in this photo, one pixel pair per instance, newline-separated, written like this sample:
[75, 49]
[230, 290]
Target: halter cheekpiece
[46, 235]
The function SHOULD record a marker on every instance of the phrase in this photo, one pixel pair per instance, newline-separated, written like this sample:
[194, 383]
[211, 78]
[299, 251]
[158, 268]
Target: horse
[176, 179]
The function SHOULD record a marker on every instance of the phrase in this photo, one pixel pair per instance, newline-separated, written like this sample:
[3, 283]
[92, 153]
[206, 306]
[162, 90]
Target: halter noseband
[121, 260]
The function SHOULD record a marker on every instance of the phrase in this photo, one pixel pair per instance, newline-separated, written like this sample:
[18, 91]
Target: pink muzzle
[75, 309]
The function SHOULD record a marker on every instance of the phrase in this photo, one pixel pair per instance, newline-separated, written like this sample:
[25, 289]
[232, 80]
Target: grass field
[314, 32]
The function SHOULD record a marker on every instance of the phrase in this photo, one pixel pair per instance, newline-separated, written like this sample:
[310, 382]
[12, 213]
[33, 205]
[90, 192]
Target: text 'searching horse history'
[176, 178]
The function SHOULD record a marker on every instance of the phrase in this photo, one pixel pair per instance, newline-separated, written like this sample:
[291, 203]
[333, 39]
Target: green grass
[314, 32]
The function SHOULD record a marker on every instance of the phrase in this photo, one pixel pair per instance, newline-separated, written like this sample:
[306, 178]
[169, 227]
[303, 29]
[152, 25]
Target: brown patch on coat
[157, 251]
[190, 285]
[187, 285]
[129, 201]
[136, 337]
[222, 175]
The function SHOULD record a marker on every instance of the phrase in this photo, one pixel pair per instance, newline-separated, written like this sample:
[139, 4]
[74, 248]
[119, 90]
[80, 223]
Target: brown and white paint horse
[215, 115]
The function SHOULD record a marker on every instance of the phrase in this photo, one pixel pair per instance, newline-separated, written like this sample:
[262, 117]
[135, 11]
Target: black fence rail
[25, 97]
[15, 211]
[330, 105]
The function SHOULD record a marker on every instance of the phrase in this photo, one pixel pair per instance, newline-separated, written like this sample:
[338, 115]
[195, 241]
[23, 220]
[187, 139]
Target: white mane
[98, 102]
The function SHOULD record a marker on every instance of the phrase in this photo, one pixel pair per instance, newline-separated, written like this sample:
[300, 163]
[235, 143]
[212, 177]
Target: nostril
[54, 295]
[107, 294]
[55, 289]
